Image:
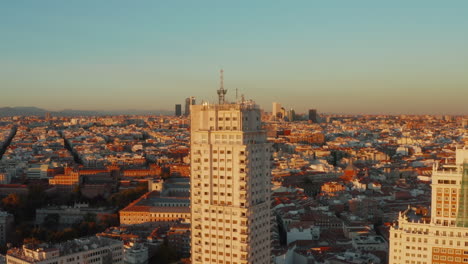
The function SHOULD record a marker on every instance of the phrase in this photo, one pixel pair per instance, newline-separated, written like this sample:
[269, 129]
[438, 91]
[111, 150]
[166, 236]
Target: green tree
[165, 254]
[89, 217]
[123, 198]
[51, 221]
[108, 220]
[12, 203]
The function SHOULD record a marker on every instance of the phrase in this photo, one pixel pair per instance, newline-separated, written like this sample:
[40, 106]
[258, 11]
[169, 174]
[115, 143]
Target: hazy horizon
[361, 57]
[263, 108]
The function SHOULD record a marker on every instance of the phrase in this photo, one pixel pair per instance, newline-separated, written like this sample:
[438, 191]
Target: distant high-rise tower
[275, 110]
[47, 116]
[442, 238]
[313, 115]
[188, 102]
[464, 123]
[178, 110]
[291, 115]
[230, 185]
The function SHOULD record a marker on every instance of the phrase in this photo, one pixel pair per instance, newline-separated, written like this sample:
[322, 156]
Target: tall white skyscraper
[275, 110]
[230, 185]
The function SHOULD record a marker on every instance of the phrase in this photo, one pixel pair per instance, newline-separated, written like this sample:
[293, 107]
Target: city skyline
[233, 132]
[366, 58]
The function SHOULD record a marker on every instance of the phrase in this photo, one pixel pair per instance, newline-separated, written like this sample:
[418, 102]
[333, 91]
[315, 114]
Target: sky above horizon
[335, 56]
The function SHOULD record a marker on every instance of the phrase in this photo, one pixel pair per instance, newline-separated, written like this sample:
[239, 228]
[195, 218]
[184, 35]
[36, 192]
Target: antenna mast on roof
[221, 91]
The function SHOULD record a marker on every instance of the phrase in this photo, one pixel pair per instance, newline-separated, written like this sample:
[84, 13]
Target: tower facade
[188, 102]
[444, 238]
[178, 110]
[230, 185]
[275, 110]
[313, 115]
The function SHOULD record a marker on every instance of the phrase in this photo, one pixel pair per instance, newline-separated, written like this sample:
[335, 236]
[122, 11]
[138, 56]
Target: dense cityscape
[128, 189]
[337, 135]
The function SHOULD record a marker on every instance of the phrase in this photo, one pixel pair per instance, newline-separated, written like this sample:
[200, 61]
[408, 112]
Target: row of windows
[93, 260]
[450, 251]
[446, 205]
[447, 182]
[221, 193]
[435, 262]
[220, 261]
[213, 227]
[222, 253]
[222, 177]
[227, 152]
[446, 214]
[450, 242]
[223, 237]
[243, 223]
[449, 258]
[227, 118]
[446, 199]
[215, 201]
[442, 241]
[418, 248]
[213, 244]
[73, 259]
[224, 128]
[221, 212]
[216, 185]
[207, 260]
[415, 255]
[242, 179]
[447, 190]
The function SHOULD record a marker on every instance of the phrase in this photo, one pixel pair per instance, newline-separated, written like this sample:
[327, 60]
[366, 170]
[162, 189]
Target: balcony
[243, 174]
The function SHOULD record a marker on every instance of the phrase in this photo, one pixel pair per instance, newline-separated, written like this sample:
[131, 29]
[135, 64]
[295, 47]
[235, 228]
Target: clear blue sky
[336, 56]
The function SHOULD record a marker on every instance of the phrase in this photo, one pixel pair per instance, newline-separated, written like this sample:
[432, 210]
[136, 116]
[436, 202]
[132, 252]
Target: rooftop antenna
[236, 95]
[221, 91]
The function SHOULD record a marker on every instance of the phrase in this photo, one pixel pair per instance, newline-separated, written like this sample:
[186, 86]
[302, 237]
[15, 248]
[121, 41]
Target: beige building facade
[230, 185]
[443, 239]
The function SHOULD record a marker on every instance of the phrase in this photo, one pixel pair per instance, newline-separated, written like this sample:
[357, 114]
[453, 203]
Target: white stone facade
[99, 250]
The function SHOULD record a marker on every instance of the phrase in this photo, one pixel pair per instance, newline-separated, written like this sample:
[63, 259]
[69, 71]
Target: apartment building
[443, 239]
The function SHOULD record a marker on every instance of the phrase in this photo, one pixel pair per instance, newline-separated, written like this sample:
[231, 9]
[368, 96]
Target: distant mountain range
[35, 111]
